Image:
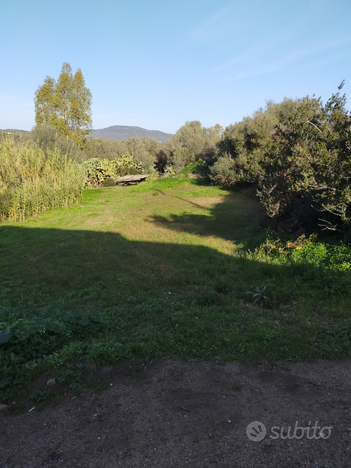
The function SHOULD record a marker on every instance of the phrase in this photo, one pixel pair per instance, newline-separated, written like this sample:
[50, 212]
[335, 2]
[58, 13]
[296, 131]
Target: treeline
[190, 143]
[297, 154]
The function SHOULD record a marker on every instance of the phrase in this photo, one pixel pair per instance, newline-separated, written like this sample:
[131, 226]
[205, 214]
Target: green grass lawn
[163, 269]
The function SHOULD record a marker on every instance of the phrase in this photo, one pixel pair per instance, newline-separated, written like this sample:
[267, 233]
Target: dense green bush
[307, 165]
[97, 171]
[144, 150]
[304, 250]
[227, 171]
[246, 143]
[106, 172]
[299, 154]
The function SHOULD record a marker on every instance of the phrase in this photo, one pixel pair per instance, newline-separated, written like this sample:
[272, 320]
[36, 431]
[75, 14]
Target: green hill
[121, 132]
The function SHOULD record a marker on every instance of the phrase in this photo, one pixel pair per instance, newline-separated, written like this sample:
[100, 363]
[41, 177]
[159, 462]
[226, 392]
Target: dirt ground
[178, 414]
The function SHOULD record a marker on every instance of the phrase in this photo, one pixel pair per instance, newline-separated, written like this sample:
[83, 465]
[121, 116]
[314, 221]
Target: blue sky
[157, 64]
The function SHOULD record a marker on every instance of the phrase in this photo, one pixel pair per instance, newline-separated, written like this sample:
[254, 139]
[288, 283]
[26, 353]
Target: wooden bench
[131, 179]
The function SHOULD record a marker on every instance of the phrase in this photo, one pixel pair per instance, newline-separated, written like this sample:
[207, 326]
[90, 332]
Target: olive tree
[308, 162]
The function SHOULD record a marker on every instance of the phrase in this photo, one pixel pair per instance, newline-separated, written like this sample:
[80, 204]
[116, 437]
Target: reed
[32, 180]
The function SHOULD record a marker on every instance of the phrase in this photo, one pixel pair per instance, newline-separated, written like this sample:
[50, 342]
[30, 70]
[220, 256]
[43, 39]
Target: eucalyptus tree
[65, 104]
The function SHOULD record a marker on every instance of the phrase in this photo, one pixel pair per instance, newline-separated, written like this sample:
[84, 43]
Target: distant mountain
[120, 132]
[13, 130]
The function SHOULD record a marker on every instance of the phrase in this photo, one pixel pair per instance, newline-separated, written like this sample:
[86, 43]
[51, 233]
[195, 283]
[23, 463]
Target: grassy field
[172, 268]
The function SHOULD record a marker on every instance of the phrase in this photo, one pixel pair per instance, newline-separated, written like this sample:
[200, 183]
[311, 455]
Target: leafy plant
[258, 295]
[31, 337]
[104, 171]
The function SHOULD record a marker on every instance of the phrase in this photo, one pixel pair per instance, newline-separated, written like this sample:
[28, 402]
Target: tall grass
[32, 180]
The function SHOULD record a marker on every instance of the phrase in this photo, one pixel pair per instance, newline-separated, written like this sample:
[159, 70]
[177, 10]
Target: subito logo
[256, 431]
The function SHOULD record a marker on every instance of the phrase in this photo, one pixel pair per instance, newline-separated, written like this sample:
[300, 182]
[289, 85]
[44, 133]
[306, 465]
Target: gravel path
[178, 414]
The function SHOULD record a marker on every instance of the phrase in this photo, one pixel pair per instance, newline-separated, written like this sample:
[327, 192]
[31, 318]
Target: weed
[39, 395]
[207, 297]
[44, 397]
[258, 295]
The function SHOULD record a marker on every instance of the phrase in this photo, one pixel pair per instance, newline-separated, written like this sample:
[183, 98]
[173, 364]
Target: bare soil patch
[206, 201]
[177, 414]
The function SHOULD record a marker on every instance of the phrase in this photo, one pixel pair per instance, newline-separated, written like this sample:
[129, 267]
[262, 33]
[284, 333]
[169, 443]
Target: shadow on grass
[233, 218]
[105, 269]
[162, 299]
[178, 301]
[54, 262]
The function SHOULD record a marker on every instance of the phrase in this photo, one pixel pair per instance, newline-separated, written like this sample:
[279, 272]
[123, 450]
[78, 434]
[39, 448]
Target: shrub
[307, 165]
[227, 171]
[103, 171]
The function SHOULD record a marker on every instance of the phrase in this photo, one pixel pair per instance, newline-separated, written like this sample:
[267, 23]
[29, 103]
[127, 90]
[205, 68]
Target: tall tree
[193, 142]
[65, 104]
[45, 108]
